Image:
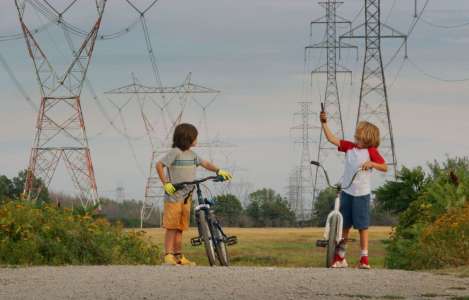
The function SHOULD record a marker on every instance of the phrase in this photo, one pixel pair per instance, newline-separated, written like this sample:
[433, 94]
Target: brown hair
[184, 136]
[367, 134]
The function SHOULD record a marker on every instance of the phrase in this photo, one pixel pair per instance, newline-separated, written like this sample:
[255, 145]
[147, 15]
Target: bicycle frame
[204, 204]
[336, 211]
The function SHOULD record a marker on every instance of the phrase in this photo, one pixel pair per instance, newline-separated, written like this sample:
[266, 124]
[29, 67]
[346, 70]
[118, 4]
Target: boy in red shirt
[355, 200]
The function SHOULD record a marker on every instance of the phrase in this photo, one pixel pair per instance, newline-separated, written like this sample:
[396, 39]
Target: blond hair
[367, 134]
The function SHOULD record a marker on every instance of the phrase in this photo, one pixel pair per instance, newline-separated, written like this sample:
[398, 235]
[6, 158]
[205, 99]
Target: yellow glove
[225, 174]
[169, 188]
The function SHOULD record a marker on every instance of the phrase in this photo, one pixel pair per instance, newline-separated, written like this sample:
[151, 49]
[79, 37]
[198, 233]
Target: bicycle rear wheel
[222, 251]
[206, 236]
[331, 242]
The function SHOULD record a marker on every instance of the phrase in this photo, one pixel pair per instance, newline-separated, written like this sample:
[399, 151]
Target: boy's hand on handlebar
[368, 165]
[323, 117]
[225, 174]
[169, 188]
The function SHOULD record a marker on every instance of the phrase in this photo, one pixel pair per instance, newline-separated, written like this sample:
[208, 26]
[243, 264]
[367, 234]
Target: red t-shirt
[354, 159]
[375, 156]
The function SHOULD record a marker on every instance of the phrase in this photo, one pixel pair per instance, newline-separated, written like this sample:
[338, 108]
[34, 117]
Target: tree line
[264, 208]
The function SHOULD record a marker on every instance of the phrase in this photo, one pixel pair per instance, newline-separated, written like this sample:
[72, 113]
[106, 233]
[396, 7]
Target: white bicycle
[334, 222]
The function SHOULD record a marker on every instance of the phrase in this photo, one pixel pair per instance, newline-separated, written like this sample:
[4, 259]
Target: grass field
[280, 247]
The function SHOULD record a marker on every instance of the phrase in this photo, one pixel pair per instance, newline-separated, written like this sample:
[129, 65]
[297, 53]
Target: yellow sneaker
[170, 259]
[185, 262]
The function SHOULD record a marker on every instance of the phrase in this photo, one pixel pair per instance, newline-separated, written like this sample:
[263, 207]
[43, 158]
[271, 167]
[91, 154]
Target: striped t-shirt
[181, 167]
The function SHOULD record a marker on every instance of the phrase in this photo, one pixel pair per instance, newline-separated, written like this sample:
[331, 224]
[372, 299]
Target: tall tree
[6, 189]
[267, 208]
[396, 196]
[323, 206]
[228, 208]
[18, 186]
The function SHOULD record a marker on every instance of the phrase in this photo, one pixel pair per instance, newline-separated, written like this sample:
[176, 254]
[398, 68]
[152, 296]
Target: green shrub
[444, 196]
[445, 243]
[45, 235]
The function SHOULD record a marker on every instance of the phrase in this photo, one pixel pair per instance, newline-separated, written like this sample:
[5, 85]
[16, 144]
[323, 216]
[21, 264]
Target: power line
[398, 73]
[17, 83]
[409, 32]
[435, 77]
[390, 11]
[357, 15]
[455, 26]
[55, 17]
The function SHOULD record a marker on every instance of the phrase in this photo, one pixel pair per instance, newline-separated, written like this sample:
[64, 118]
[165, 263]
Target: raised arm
[327, 131]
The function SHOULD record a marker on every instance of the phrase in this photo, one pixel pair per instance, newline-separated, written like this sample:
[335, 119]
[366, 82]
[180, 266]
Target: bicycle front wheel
[222, 251]
[204, 232]
[331, 242]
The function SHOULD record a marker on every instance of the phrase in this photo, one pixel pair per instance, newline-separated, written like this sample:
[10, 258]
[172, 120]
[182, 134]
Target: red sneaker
[339, 262]
[364, 263]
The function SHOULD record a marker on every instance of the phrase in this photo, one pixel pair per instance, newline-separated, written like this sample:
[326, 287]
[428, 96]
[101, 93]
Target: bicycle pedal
[196, 241]
[231, 240]
[321, 243]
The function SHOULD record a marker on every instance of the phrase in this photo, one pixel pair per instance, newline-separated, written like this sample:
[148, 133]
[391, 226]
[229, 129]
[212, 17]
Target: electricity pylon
[331, 69]
[60, 126]
[374, 102]
[304, 174]
[153, 188]
[293, 189]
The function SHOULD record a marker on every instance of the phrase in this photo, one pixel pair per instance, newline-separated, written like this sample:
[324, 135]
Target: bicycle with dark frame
[210, 230]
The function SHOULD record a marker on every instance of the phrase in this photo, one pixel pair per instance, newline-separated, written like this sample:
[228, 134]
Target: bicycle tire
[331, 242]
[204, 232]
[222, 251]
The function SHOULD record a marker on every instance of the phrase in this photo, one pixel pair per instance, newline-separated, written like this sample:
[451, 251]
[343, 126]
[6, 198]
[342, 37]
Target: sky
[253, 52]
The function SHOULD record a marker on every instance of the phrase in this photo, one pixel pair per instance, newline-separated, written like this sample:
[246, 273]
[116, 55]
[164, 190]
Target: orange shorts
[176, 215]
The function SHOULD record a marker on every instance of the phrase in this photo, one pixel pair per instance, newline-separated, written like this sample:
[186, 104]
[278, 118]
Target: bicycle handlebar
[327, 176]
[180, 185]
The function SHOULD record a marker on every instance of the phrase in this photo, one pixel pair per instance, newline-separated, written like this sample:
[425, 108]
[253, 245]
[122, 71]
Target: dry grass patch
[281, 247]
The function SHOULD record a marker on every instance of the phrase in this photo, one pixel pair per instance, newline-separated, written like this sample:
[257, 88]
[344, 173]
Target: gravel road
[165, 282]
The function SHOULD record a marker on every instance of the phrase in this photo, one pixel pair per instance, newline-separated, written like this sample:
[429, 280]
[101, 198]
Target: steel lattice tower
[374, 102]
[331, 69]
[293, 186]
[60, 127]
[153, 188]
[304, 173]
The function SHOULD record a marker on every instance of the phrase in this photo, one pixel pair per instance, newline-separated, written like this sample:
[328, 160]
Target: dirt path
[145, 282]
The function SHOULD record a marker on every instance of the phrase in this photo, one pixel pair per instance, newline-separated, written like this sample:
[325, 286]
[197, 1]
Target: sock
[341, 249]
[177, 254]
[364, 253]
